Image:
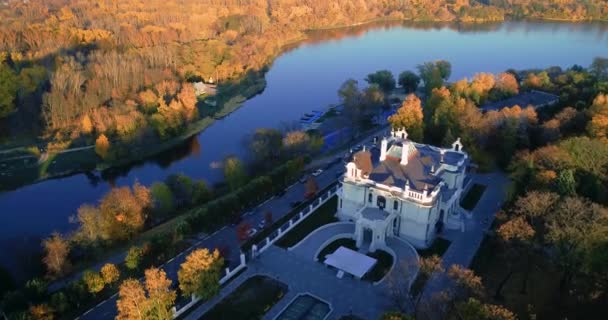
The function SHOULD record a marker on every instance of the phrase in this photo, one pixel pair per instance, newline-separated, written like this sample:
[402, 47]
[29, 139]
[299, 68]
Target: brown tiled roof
[363, 161]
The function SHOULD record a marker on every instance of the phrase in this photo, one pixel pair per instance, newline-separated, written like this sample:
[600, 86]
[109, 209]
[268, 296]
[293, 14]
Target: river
[304, 78]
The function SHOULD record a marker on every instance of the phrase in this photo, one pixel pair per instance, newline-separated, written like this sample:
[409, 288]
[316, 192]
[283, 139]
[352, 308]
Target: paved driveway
[309, 246]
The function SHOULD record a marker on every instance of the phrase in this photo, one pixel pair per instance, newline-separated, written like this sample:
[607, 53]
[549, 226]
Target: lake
[304, 78]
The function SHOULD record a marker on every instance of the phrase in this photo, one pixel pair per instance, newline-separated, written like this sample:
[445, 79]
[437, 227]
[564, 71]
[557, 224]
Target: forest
[72, 71]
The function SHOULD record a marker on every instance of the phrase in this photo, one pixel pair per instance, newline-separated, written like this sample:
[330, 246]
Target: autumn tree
[200, 273]
[110, 273]
[56, 250]
[86, 125]
[507, 84]
[132, 302]
[160, 296]
[473, 309]
[409, 81]
[121, 213]
[94, 281]
[41, 312]
[154, 302]
[516, 235]
[410, 117]
[567, 230]
[102, 146]
[598, 126]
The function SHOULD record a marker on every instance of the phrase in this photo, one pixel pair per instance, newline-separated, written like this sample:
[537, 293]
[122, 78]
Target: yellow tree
[41, 312]
[410, 117]
[132, 303]
[102, 146]
[200, 273]
[160, 296]
[86, 124]
[56, 250]
[110, 273]
[598, 126]
[95, 283]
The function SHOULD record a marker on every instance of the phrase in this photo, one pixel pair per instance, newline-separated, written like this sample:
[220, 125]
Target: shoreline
[202, 124]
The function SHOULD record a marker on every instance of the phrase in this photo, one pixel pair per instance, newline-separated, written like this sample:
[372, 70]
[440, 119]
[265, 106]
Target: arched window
[395, 205]
[381, 202]
[369, 198]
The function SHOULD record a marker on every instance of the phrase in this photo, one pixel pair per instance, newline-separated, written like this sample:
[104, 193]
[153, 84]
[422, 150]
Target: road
[227, 238]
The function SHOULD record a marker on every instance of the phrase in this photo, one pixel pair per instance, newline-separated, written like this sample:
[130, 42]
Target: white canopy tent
[350, 261]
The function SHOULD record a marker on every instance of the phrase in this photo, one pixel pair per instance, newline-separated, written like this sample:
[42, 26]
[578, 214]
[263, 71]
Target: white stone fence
[229, 274]
[293, 222]
[266, 243]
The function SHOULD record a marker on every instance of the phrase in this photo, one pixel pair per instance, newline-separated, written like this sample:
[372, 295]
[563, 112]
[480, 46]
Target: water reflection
[186, 149]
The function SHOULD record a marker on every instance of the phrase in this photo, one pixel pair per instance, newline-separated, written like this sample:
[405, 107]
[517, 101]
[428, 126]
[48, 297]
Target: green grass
[438, 248]
[472, 197]
[382, 266]
[333, 246]
[323, 215]
[251, 300]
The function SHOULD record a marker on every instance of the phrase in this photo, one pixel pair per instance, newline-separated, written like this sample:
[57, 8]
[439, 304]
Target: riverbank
[25, 169]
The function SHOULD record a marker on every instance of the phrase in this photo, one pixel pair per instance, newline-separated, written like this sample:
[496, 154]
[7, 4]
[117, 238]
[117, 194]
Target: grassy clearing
[472, 197]
[323, 215]
[333, 246]
[383, 265]
[251, 300]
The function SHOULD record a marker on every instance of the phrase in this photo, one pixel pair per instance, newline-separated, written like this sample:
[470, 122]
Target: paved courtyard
[298, 270]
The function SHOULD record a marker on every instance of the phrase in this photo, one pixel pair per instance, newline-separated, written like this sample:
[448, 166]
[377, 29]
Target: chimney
[383, 149]
[404, 153]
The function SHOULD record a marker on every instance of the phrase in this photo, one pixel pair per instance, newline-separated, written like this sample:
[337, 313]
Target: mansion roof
[420, 171]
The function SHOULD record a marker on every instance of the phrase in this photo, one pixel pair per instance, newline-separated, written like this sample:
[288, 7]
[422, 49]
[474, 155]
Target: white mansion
[408, 190]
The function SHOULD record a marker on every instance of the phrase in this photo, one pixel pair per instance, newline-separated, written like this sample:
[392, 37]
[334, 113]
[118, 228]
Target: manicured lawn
[322, 216]
[251, 300]
[383, 265]
[330, 248]
[472, 197]
[438, 248]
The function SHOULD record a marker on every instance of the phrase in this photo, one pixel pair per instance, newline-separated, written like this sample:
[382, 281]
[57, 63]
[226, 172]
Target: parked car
[281, 193]
[262, 225]
[303, 179]
[251, 232]
[317, 172]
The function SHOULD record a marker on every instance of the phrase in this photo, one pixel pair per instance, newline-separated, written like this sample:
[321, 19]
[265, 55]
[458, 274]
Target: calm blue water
[301, 80]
